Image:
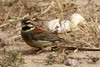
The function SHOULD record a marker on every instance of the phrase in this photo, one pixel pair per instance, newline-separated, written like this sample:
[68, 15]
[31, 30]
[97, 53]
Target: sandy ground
[31, 59]
[10, 35]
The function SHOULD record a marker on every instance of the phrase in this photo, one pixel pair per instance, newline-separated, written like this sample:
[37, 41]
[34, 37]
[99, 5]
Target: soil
[10, 38]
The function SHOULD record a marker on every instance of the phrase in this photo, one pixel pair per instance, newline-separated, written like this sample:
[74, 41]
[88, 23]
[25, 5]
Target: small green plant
[50, 59]
[10, 3]
[60, 59]
[94, 59]
[71, 35]
[11, 58]
[63, 59]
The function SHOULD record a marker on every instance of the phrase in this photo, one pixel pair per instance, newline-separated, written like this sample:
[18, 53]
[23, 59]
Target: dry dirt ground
[41, 11]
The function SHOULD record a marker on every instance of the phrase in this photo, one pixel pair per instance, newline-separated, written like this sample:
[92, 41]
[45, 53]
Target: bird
[38, 37]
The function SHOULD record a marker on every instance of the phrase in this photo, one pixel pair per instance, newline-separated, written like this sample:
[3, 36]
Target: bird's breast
[34, 43]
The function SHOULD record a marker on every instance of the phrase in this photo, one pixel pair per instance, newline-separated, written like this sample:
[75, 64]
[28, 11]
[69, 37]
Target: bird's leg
[55, 46]
[37, 50]
[62, 48]
[58, 48]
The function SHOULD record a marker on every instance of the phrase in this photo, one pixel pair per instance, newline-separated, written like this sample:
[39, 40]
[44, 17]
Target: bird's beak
[22, 25]
[30, 25]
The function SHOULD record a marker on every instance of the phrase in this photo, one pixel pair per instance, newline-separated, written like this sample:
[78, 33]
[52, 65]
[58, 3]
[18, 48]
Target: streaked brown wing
[44, 36]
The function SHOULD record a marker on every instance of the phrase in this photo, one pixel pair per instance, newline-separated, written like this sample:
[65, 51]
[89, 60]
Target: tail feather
[70, 42]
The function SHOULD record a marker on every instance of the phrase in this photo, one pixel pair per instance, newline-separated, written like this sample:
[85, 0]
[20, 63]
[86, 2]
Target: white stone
[76, 19]
[60, 27]
[99, 27]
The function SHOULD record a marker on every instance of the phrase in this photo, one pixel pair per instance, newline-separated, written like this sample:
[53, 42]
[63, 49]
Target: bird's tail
[70, 42]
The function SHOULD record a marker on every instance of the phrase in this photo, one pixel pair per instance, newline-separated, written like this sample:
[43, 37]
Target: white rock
[99, 27]
[52, 24]
[65, 26]
[60, 27]
[76, 19]
[71, 62]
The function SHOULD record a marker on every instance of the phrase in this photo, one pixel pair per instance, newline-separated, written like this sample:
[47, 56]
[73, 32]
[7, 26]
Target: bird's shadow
[34, 52]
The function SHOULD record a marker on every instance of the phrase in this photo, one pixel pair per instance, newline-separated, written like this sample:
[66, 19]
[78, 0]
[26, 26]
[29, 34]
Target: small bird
[37, 37]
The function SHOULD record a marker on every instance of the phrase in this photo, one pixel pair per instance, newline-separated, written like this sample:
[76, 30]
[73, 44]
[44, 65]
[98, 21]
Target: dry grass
[41, 11]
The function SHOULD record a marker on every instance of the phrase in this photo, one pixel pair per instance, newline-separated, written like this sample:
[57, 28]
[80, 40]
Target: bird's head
[27, 25]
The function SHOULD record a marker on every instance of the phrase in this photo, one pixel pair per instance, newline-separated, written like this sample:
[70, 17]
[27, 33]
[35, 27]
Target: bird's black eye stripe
[27, 23]
[26, 28]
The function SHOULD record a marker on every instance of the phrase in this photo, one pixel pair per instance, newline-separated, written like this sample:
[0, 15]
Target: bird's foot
[55, 48]
[39, 51]
[36, 50]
